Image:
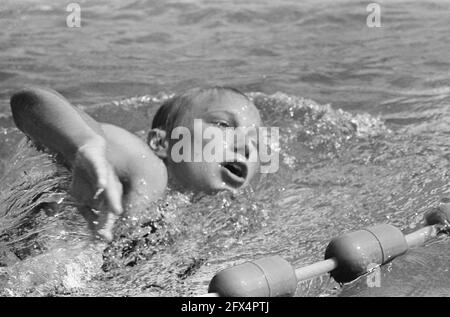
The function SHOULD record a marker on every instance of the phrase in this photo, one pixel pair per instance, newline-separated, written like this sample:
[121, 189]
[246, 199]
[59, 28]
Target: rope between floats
[414, 239]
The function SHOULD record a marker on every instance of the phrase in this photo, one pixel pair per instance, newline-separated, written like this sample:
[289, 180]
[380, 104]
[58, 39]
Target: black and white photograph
[210, 149]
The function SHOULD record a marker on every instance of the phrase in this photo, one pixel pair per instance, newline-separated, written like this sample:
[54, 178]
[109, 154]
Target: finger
[113, 193]
[98, 170]
[90, 217]
[101, 168]
[101, 223]
[105, 225]
[98, 193]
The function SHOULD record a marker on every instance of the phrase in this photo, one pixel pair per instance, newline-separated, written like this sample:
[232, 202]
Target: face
[227, 123]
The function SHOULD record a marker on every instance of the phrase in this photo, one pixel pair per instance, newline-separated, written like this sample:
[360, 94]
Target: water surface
[372, 147]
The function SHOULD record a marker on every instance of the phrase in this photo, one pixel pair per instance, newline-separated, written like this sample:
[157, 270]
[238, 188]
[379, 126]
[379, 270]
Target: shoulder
[133, 159]
[118, 136]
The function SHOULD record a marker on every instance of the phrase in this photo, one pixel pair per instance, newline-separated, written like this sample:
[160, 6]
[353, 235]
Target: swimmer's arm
[117, 161]
[49, 119]
[142, 173]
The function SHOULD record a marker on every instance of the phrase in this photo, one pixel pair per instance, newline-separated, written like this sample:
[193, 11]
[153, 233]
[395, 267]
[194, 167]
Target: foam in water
[335, 170]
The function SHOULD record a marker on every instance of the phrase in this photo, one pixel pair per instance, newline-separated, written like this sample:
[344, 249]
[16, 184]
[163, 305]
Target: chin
[214, 187]
[217, 186]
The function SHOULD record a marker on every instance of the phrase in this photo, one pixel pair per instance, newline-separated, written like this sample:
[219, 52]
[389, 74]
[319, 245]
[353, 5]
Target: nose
[245, 144]
[243, 149]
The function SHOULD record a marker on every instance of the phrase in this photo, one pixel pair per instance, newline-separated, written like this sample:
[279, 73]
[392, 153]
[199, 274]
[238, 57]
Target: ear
[157, 141]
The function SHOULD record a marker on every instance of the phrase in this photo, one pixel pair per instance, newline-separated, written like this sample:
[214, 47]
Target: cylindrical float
[268, 277]
[357, 251]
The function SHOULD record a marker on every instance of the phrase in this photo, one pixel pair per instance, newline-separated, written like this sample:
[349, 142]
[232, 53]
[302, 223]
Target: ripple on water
[346, 171]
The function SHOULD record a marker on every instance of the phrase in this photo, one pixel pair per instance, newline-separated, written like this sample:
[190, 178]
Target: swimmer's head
[180, 131]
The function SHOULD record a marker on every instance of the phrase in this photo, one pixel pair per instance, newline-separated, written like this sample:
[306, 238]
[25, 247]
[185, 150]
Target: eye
[221, 123]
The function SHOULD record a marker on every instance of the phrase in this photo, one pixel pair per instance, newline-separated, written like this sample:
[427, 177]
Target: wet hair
[165, 116]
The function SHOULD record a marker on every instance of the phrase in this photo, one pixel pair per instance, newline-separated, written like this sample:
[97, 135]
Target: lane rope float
[347, 257]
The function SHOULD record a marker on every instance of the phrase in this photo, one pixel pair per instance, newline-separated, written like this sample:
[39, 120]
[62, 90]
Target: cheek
[254, 168]
[189, 170]
[203, 176]
[198, 171]
[215, 145]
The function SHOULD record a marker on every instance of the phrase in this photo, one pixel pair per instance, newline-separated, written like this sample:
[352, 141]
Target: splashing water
[338, 172]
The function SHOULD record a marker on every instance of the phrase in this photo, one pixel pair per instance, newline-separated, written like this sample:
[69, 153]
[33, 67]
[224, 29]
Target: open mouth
[236, 172]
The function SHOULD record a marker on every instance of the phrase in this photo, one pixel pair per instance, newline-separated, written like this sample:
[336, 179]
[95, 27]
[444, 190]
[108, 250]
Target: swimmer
[113, 169]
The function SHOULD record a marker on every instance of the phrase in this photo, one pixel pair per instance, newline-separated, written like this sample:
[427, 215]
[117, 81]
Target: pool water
[364, 119]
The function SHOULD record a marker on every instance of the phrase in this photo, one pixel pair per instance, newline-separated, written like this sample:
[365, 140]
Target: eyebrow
[231, 116]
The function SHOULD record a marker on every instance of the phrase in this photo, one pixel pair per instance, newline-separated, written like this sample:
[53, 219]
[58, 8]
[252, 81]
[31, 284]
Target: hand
[97, 187]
